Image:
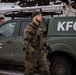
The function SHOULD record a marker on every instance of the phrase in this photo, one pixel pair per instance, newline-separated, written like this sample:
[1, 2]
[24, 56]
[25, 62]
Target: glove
[34, 55]
[49, 49]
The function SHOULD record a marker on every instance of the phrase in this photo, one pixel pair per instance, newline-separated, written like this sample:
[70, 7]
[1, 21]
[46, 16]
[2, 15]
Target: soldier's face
[2, 20]
[39, 17]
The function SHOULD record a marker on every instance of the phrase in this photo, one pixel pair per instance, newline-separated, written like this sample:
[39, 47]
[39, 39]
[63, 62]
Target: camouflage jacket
[33, 37]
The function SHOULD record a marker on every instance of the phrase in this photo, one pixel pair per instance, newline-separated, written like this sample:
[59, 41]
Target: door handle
[9, 42]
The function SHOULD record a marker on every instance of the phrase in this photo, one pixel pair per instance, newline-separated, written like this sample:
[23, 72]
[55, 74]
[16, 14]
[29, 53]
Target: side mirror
[1, 34]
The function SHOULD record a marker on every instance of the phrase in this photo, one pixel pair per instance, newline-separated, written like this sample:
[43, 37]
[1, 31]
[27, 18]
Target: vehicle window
[7, 29]
[23, 25]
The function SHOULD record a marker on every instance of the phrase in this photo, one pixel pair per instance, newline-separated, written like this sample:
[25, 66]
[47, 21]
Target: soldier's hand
[49, 49]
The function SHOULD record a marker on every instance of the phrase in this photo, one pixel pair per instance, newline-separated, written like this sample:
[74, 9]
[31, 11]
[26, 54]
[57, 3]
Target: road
[12, 71]
[8, 72]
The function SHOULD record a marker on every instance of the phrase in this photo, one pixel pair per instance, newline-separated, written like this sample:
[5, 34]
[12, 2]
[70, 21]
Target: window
[7, 29]
[23, 25]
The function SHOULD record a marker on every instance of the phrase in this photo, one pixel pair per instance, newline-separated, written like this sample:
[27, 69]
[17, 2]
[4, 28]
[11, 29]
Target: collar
[34, 25]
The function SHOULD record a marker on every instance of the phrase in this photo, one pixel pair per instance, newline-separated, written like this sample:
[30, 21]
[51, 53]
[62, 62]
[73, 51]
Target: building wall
[8, 0]
[15, 0]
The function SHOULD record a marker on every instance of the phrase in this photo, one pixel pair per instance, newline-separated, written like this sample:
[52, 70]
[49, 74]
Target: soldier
[35, 45]
[1, 20]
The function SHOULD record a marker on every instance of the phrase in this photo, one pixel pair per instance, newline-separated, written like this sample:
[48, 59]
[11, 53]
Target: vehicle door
[18, 46]
[7, 40]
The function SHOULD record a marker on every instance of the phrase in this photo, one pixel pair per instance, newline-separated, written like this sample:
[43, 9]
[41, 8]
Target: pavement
[11, 72]
[7, 71]
[2, 72]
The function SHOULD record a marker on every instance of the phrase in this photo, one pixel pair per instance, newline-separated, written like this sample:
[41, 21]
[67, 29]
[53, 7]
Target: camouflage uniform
[35, 54]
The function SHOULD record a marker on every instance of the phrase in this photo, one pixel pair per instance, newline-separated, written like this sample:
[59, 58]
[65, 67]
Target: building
[8, 0]
[15, 0]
